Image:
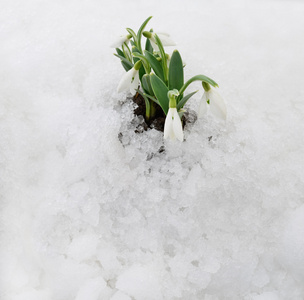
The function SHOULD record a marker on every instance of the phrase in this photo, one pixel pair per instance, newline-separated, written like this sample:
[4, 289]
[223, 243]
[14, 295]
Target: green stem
[163, 57]
[148, 105]
[152, 109]
[148, 109]
[127, 54]
[197, 78]
[139, 33]
[146, 63]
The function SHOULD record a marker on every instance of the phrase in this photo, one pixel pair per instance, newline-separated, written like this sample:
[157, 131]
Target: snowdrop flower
[216, 102]
[164, 38]
[173, 124]
[121, 40]
[130, 80]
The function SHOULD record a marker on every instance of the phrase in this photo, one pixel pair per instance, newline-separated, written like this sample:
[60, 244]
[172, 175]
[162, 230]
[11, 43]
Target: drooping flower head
[164, 38]
[173, 125]
[121, 40]
[130, 80]
[215, 101]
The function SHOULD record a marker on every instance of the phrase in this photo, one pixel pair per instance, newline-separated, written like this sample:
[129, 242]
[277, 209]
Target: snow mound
[292, 250]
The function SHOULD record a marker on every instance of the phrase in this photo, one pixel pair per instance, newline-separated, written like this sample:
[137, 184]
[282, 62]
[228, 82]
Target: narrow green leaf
[142, 57]
[131, 31]
[152, 98]
[135, 49]
[181, 113]
[161, 91]
[163, 57]
[149, 46]
[147, 84]
[125, 62]
[184, 100]
[119, 52]
[126, 66]
[198, 78]
[145, 68]
[139, 33]
[155, 64]
[176, 71]
[127, 52]
[134, 52]
[141, 72]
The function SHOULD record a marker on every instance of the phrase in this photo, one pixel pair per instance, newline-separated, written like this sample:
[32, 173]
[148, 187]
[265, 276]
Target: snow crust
[92, 210]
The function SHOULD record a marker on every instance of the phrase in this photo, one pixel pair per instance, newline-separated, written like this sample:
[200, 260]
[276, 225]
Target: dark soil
[158, 121]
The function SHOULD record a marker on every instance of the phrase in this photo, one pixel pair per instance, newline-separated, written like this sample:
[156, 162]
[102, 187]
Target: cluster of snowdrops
[159, 79]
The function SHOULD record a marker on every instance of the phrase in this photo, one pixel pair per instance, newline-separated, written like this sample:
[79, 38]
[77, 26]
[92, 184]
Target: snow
[92, 210]
[292, 253]
[92, 287]
[141, 282]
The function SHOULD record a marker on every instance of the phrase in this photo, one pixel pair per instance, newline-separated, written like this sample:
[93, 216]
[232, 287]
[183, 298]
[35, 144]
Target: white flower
[120, 41]
[216, 102]
[203, 105]
[164, 38]
[129, 81]
[173, 125]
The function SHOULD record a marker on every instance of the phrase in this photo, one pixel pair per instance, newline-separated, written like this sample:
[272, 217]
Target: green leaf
[152, 98]
[125, 63]
[184, 100]
[145, 68]
[163, 57]
[176, 71]
[142, 57]
[127, 52]
[155, 64]
[139, 33]
[135, 60]
[131, 31]
[160, 91]
[147, 84]
[149, 46]
[119, 52]
[198, 78]
[126, 66]
[134, 52]
[141, 72]
[123, 58]
[181, 113]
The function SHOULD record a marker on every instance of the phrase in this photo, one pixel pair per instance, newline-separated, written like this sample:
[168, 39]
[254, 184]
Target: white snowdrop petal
[134, 84]
[125, 81]
[177, 126]
[162, 33]
[168, 124]
[166, 40]
[154, 45]
[119, 41]
[203, 105]
[217, 105]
